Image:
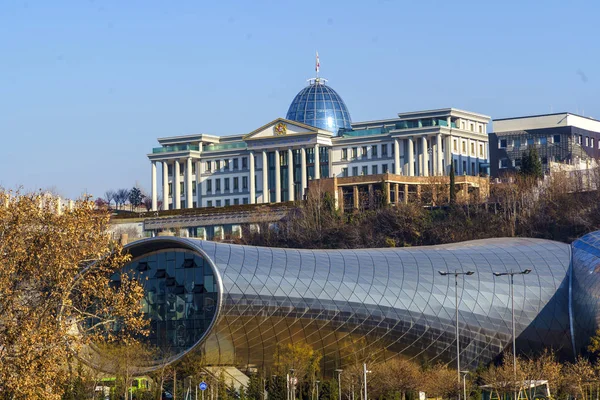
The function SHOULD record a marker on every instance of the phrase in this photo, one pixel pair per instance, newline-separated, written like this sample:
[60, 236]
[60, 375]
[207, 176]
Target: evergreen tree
[531, 165]
[452, 184]
[383, 199]
[254, 388]
[277, 388]
[135, 197]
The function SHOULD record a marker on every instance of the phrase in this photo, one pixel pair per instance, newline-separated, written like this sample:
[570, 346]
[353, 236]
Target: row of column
[265, 179]
[189, 201]
[409, 145]
[290, 166]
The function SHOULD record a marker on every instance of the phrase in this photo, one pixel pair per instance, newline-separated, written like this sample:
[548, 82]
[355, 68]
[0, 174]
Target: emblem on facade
[280, 129]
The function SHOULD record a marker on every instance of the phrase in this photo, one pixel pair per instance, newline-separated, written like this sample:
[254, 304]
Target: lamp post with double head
[512, 304]
[456, 275]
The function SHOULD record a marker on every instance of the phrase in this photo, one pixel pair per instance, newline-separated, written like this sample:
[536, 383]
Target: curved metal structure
[391, 299]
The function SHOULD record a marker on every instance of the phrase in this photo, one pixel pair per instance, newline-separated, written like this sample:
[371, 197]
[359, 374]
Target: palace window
[208, 186]
[354, 171]
[217, 185]
[364, 152]
[209, 203]
[236, 201]
[236, 164]
[384, 168]
[384, 150]
[365, 170]
[244, 182]
[354, 153]
[374, 170]
[344, 172]
[344, 154]
[227, 202]
[208, 166]
[245, 200]
[244, 162]
[226, 184]
[218, 203]
[236, 183]
[374, 151]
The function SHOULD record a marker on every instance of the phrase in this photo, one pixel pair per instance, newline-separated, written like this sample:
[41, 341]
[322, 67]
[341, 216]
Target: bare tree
[121, 197]
[109, 196]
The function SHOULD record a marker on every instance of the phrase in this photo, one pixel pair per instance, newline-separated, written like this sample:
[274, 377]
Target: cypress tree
[452, 184]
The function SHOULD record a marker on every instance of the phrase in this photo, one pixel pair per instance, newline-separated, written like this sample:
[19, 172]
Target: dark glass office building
[235, 303]
[563, 137]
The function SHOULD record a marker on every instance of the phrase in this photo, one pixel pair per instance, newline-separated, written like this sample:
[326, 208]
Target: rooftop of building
[546, 121]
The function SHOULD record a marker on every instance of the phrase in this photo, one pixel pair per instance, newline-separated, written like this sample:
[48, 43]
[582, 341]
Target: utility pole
[456, 274]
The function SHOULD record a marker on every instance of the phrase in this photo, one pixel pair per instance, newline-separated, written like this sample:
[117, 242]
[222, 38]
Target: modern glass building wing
[585, 289]
[235, 303]
[320, 106]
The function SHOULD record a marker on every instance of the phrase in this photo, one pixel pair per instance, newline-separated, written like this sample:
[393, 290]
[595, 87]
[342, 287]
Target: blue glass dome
[320, 106]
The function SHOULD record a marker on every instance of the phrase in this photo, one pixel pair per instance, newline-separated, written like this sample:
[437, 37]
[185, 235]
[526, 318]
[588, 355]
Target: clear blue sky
[86, 87]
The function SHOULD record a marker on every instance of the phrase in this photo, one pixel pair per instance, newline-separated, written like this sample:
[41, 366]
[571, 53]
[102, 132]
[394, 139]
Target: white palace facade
[317, 139]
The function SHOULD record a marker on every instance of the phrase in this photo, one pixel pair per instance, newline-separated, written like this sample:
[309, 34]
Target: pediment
[281, 127]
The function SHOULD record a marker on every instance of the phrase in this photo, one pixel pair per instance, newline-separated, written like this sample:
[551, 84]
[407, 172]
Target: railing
[179, 147]
[226, 146]
[365, 132]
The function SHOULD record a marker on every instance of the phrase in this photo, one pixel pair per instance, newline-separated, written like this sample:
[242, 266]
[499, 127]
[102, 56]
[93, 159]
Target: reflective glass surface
[320, 106]
[393, 299]
[181, 297]
[585, 288]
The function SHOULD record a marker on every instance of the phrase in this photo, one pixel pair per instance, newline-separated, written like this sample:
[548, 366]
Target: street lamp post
[512, 304]
[292, 384]
[465, 373]
[339, 371]
[365, 372]
[317, 382]
[456, 275]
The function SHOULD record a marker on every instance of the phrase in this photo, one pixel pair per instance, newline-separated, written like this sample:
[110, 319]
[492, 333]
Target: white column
[440, 166]
[396, 156]
[425, 169]
[317, 163]
[277, 178]
[176, 193]
[153, 186]
[165, 204]
[189, 199]
[265, 176]
[330, 163]
[251, 180]
[411, 157]
[403, 170]
[303, 172]
[198, 185]
[290, 175]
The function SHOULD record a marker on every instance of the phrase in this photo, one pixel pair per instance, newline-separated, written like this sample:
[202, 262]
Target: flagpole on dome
[317, 65]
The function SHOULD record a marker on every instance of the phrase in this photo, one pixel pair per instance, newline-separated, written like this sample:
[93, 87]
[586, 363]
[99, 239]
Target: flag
[317, 63]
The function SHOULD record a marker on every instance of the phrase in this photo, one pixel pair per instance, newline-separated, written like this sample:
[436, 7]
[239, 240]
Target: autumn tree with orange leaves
[56, 296]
